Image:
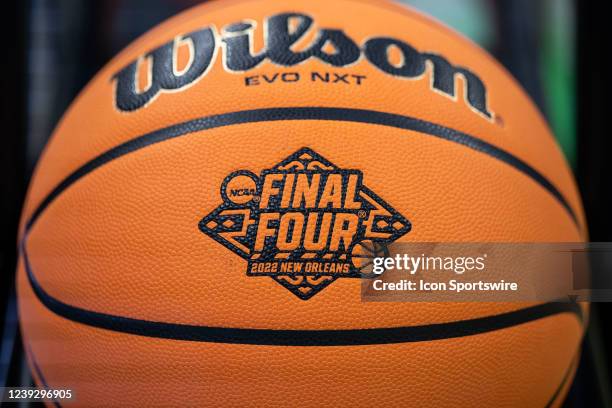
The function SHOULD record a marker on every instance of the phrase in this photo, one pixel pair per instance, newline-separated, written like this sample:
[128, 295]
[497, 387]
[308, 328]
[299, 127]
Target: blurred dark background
[556, 48]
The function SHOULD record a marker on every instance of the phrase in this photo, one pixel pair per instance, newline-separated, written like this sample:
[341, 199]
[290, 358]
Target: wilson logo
[332, 47]
[304, 222]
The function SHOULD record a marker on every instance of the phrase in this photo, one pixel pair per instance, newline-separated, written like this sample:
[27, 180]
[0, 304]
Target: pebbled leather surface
[124, 240]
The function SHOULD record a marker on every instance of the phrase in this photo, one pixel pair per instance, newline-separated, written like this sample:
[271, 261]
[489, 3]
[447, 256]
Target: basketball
[198, 224]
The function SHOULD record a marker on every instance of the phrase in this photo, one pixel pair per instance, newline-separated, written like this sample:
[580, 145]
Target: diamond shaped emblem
[304, 222]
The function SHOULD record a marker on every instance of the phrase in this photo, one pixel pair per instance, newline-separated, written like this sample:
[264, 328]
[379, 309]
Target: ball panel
[93, 124]
[113, 368]
[140, 214]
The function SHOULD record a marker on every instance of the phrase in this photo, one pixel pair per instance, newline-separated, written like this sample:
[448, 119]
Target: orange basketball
[188, 232]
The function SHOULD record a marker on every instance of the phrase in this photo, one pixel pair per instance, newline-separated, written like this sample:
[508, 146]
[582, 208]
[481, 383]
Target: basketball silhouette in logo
[363, 254]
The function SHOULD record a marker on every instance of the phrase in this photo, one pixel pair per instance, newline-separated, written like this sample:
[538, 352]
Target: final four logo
[304, 222]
